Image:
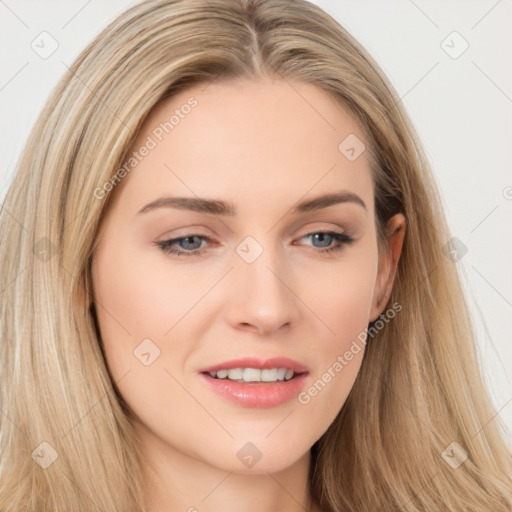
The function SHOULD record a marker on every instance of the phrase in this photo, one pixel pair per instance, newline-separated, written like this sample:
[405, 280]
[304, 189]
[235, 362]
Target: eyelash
[342, 239]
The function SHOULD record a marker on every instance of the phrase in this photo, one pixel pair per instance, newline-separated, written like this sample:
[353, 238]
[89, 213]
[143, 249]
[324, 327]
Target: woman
[225, 285]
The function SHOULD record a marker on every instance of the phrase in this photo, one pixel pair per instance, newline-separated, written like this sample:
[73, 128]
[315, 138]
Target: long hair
[417, 431]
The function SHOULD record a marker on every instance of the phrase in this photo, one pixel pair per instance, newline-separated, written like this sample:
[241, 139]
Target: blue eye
[193, 240]
[166, 245]
[341, 238]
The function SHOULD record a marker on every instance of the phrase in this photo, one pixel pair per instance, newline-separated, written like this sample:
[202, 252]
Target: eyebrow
[218, 207]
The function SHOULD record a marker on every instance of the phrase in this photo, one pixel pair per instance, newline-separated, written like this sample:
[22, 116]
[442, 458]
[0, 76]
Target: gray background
[460, 103]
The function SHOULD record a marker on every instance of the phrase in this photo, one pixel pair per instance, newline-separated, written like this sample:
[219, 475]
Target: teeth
[269, 375]
[254, 374]
[235, 374]
[250, 375]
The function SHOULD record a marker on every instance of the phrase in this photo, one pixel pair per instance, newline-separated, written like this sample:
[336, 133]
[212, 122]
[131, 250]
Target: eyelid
[320, 229]
[339, 227]
[340, 239]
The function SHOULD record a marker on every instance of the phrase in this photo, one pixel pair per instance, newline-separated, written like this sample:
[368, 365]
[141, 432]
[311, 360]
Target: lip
[261, 364]
[256, 394]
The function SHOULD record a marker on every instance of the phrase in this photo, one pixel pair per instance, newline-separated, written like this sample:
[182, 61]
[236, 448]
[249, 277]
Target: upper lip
[254, 362]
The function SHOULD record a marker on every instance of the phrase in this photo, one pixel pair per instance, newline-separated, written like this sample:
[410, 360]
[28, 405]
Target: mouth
[250, 382]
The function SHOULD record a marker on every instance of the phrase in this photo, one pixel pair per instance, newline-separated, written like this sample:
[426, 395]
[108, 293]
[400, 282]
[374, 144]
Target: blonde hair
[420, 387]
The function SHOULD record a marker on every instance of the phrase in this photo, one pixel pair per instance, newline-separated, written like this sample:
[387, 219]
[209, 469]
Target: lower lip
[257, 394]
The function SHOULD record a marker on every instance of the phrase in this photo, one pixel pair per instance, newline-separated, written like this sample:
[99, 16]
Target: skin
[264, 146]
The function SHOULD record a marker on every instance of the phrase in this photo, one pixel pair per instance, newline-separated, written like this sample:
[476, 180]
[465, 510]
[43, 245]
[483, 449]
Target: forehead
[274, 139]
[270, 108]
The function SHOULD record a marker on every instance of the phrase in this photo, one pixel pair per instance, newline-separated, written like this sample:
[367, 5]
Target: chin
[259, 458]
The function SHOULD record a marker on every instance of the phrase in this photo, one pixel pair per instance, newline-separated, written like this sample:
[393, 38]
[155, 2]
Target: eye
[191, 243]
[190, 240]
[324, 237]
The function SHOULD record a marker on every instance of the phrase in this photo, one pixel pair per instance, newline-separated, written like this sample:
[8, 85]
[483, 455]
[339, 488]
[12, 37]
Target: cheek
[343, 305]
[341, 296]
[139, 297]
[129, 308]
[138, 302]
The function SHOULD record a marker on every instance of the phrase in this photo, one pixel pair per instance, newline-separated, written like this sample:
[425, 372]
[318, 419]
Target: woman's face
[260, 285]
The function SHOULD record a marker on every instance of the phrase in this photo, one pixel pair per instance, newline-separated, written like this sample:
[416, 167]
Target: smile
[252, 382]
[254, 374]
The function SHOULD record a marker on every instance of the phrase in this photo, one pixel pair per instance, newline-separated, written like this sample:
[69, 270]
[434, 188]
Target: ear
[388, 261]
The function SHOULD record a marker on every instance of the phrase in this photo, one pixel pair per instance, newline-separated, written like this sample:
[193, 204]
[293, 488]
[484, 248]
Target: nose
[262, 297]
